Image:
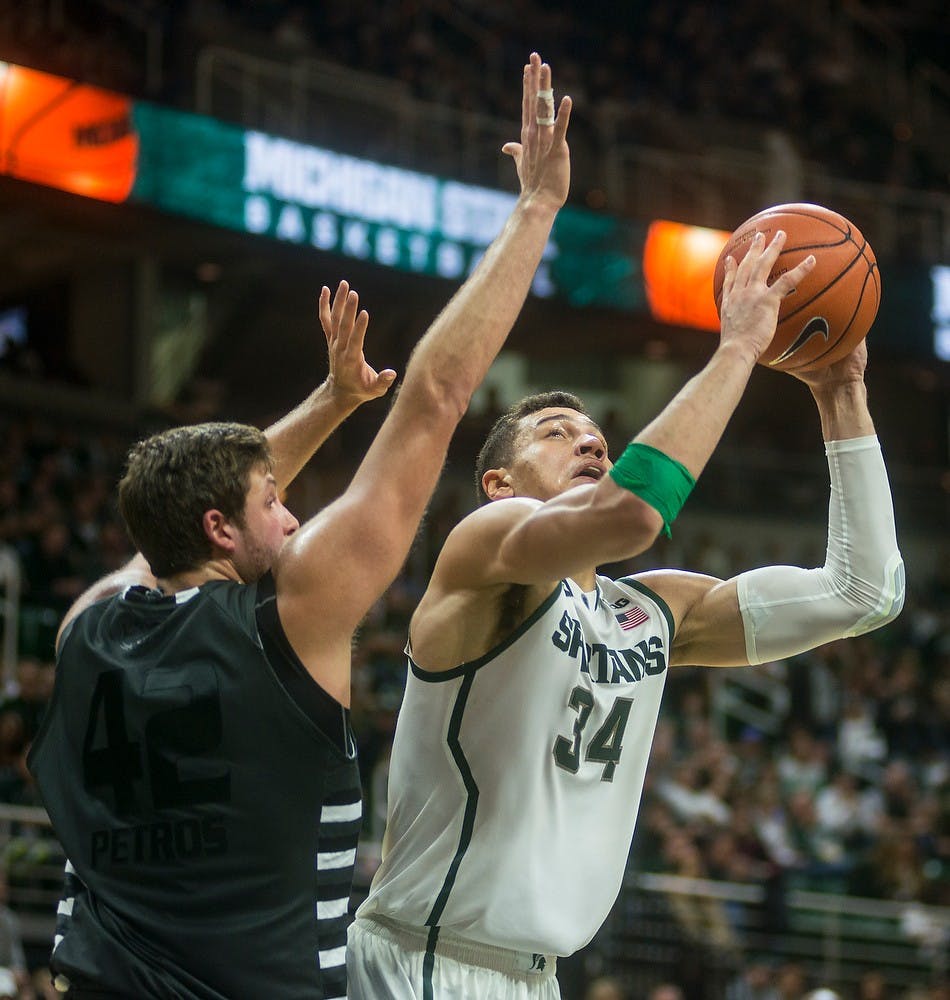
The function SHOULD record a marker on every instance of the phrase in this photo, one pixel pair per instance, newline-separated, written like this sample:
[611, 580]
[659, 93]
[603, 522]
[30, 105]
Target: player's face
[267, 523]
[557, 449]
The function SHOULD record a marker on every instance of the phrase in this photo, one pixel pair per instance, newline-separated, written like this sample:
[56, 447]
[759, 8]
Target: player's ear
[497, 484]
[218, 529]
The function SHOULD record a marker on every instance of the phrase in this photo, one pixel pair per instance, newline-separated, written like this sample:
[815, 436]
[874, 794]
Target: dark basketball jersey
[206, 792]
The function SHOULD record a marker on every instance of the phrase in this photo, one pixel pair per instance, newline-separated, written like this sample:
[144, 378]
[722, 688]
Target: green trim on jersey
[428, 964]
[436, 677]
[657, 600]
[471, 798]
[465, 837]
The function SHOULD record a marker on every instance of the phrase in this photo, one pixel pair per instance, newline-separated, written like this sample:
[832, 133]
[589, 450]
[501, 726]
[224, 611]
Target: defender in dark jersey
[197, 759]
[214, 872]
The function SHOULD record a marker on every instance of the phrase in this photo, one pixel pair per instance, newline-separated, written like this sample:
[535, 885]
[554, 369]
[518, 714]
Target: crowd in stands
[848, 792]
[676, 71]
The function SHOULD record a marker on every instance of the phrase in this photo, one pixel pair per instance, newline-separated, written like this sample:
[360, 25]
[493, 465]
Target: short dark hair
[173, 477]
[498, 449]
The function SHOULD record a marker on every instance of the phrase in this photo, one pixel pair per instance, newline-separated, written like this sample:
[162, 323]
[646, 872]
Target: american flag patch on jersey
[632, 618]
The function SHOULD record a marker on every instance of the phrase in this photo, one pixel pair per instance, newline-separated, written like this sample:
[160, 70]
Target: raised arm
[778, 611]
[294, 438]
[344, 558]
[690, 427]
[533, 543]
[351, 381]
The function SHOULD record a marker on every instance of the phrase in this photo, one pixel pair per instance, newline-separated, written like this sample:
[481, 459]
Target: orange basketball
[834, 306]
[66, 134]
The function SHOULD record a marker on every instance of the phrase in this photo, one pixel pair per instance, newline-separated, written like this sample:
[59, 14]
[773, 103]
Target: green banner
[270, 186]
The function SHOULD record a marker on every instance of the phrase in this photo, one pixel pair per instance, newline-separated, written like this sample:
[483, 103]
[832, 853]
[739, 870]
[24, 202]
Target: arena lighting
[100, 144]
[940, 278]
[65, 134]
[678, 266]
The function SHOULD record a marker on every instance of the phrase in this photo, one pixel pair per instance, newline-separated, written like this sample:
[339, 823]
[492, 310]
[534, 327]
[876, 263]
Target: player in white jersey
[535, 684]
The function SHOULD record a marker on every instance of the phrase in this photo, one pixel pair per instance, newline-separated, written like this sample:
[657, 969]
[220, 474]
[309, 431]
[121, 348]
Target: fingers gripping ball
[833, 308]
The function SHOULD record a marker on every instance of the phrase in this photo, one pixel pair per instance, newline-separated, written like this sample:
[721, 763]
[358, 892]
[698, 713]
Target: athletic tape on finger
[547, 96]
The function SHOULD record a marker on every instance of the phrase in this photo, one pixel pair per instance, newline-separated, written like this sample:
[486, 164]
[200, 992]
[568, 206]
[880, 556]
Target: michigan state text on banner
[406, 219]
[99, 144]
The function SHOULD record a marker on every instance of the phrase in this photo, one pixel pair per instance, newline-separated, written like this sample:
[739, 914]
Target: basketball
[834, 306]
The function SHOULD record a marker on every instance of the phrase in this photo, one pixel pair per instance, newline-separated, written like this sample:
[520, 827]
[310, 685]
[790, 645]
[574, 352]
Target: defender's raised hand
[351, 377]
[542, 157]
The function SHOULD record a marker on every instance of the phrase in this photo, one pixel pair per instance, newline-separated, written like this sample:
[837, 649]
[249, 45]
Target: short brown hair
[173, 477]
[498, 449]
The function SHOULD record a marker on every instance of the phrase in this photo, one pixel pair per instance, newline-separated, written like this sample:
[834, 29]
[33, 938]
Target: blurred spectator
[900, 708]
[664, 991]
[12, 958]
[688, 793]
[861, 748]
[772, 824]
[803, 765]
[31, 694]
[790, 981]
[52, 567]
[292, 30]
[897, 790]
[606, 988]
[14, 776]
[754, 982]
[705, 935]
[814, 682]
[820, 853]
[873, 986]
[840, 813]
[894, 869]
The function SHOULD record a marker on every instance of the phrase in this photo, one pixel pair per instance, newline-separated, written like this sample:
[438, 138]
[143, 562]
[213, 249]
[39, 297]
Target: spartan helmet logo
[816, 326]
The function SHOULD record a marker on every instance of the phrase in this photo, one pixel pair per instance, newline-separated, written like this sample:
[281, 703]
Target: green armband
[655, 478]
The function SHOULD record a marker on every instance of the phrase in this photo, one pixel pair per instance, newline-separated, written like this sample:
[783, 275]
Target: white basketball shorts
[389, 961]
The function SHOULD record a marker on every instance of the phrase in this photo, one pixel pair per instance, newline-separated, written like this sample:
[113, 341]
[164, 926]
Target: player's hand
[749, 310]
[542, 157]
[848, 370]
[352, 379]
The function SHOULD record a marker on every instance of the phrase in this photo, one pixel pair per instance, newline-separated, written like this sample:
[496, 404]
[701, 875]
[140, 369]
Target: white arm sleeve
[787, 610]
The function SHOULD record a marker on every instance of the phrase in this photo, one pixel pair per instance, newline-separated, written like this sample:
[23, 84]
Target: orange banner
[66, 134]
[678, 265]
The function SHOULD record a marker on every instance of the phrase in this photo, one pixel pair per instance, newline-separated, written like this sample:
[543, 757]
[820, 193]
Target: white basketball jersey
[516, 778]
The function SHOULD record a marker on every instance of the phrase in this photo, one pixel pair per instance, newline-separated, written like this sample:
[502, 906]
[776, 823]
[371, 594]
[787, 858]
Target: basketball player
[534, 684]
[197, 760]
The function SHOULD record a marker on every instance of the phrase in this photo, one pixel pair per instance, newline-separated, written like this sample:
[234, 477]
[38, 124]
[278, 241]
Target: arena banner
[678, 266]
[66, 135]
[100, 144]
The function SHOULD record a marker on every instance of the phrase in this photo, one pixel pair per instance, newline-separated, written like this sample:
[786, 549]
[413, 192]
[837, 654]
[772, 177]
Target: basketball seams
[830, 348]
[815, 214]
[738, 239]
[798, 248]
[835, 305]
[843, 273]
